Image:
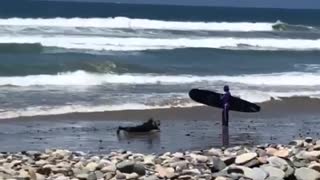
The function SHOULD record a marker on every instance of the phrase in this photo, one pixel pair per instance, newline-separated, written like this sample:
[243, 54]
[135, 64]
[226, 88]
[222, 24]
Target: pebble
[244, 158]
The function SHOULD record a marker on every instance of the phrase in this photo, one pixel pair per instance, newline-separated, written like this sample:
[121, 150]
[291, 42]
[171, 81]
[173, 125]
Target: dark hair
[226, 88]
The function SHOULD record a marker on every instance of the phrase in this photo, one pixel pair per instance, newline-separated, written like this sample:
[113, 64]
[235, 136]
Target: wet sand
[181, 128]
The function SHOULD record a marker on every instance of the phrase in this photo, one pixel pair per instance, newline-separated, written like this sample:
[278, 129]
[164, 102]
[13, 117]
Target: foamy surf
[83, 78]
[129, 23]
[139, 44]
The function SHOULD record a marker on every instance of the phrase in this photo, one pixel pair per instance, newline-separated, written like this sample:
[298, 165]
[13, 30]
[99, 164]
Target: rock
[252, 163]
[271, 150]
[199, 158]
[308, 155]
[165, 172]
[39, 177]
[178, 155]
[228, 160]
[244, 158]
[278, 162]
[99, 174]
[306, 174]
[308, 139]
[180, 164]
[315, 166]
[41, 162]
[255, 173]
[273, 171]
[152, 177]
[149, 160]
[191, 172]
[316, 147]
[92, 166]
[131, 167]
[82, 176]
[109, 175]
[61, 154]
[283, 153]
[92, 176]
[217, 165]
[44, 171]
[121, 176]
[132, 176]
[297, 143]
[214, 152]
[109, 168]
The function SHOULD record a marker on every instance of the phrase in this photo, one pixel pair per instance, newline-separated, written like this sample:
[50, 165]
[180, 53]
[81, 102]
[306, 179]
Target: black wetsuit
[145, 127]
[226, 106]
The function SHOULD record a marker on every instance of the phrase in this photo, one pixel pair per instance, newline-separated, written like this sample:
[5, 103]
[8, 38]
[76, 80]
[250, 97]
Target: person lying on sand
[148, 126]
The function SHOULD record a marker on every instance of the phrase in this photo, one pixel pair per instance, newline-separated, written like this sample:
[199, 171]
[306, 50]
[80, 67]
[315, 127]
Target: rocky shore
[297, 160]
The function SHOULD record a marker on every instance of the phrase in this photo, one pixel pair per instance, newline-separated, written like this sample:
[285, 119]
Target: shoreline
[298, 160]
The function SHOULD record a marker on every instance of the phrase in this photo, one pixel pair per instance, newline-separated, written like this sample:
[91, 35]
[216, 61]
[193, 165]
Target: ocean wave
[21, 48]
[128, 23]
[83, 78]
[140, 44]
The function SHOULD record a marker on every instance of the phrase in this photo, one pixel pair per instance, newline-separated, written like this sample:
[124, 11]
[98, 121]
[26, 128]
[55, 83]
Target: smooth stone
[255, 173]
[318, 142]
[121, 176]
[92, 176]
[109, 168]
[178, 155]
[283, 153]
[149, 160]
[306, 174]
[92, 166]
[180, 164]
[316, 147]
[308, 155]
[214, 152]
[315, 166]
[82, 176]
[109, 175]
[228, 160]
[199, 158]
[252, 163]
[308, 139]
[298, 143]
[273, 171]
[271, 150]
[44, 171]
[278, 162]
[99, 174]
[39, 177]
[61, 154]
[152, 177]
[164, 172]
[243, 158]
[131, 167]
[217, 165]
[41, 162]
[132, 176]
[191, 172]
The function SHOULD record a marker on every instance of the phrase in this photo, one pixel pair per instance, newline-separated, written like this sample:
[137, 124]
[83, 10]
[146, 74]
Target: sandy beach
[193, 128]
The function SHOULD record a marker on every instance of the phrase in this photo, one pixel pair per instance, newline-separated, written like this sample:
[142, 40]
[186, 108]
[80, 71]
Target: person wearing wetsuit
[226, 105]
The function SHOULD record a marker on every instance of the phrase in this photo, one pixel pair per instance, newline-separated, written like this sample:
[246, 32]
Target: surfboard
[213, 99]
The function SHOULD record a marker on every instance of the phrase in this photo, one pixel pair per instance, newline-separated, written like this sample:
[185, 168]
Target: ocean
[64, 57]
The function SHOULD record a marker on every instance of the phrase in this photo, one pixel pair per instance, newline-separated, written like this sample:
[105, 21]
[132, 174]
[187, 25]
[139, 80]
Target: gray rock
[82, 176]
[252, 163]
[152, 177]
[92, 176]
[244, 158]
[273, 171]
[308, 155]
[278, 162]
[306, 174]
[109, 168]
[131, 167]
[99, 174]
[308, 139]
[217, 165]
[298, 143]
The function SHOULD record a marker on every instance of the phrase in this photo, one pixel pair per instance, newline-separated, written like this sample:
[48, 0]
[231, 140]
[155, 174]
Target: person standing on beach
[225, 115]
[226, 105]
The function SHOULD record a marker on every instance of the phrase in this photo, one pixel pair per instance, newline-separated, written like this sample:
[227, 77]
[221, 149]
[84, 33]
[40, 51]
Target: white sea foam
[83, 78]
[136, 44]
[128, 23]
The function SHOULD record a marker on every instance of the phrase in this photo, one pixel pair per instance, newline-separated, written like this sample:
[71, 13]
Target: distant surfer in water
[226, 105]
